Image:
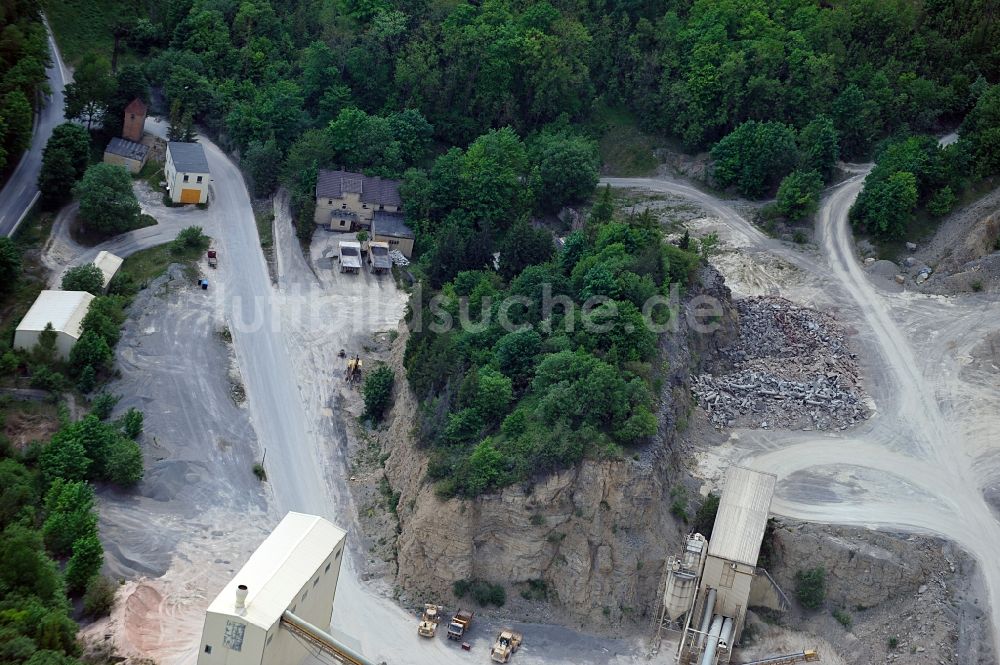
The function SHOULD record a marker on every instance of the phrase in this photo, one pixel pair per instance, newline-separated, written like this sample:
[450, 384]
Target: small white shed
[108, 264]
[64, 310]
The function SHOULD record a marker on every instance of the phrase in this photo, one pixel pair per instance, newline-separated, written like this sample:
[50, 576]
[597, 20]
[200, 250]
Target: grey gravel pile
[791, 369]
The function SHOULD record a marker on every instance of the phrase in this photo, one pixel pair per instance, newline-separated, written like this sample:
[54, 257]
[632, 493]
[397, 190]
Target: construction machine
[505, 645]
[429, 620]
[807, 656]
[459, 624]
[353, 373]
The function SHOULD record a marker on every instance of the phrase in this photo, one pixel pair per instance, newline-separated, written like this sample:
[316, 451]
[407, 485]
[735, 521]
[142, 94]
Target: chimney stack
[241, 597]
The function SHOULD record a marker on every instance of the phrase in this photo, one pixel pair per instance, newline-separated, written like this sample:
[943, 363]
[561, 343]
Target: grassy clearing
[625, 150]
[86, 26]
[14, 305]
[148, 264]
[265, 229]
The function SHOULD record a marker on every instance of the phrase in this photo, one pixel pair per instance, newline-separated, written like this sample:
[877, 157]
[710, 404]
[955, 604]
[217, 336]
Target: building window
[329, 202]
[269, 638]
[381, 207]
[337, 555]
[306, 593]
[393, 242]
[293, 608]
[343, 206]
[185, 177]
[728, 576]
[327, 569]
[208, 648]
[315, 581]
[199, 178]
[365, 206]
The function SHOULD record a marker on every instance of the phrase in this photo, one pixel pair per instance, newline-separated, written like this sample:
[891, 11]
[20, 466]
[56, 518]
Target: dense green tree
[754, 157]
[107, 202]
[377, 391]
[516, 354]
[91, 349]
[819, 146]
[91, 92]
[64, 457]
[64, 161]
[886, 205]
[130, 83]
[798, 194]
[17, 493]
[568, 168]
[262, 162]
[26, 569]
[87, 277]
[10, 265]
[523, 246]
[69, 515]
[18, 118]
[131, 423]
[87, 559]
[123, 462]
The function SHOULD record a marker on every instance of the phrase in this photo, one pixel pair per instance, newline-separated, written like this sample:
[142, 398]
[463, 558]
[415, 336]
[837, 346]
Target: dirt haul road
[927, 458]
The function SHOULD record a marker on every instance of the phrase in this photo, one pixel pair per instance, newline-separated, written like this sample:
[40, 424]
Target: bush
[377, 392]
[87, 559]
[189, 239]
[483, 593]
[46, 379]
[131, 423]
[103, 404]
[87, 380]
[942, 202]
[10, 264]
[843, 618]
[99, 598]
[810, 587]
[258, 470]
[704, 518]
[84, 278]
[123, 462]
[798, 194]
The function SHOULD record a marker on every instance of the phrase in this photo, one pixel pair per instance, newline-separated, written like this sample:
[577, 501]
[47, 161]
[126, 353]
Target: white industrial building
[64, 310]
[707, 590]
[108, 264]
[277, 608]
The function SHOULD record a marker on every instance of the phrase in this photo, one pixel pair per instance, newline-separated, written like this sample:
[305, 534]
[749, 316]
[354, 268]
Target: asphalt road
[21, 190]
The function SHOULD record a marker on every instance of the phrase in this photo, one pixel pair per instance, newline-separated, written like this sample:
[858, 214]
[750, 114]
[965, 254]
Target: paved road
[21, 191]
[928, 457]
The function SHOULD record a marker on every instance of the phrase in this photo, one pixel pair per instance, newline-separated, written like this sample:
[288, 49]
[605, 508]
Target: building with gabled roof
[129, 154]
[391, 228]
[294, 570]
[186, 172]
[64, 310]
[108, 264]
[346, 201]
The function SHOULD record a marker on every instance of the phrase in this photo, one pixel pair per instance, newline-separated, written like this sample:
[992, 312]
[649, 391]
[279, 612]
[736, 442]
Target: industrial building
[347, 201]
[277, 608]
[108, 264]
[64, 310]
[129, 154]
[186, 172]
[707, 590]
[391, 229]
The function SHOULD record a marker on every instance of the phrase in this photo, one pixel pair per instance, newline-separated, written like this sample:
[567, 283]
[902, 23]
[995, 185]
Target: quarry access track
[926, 460]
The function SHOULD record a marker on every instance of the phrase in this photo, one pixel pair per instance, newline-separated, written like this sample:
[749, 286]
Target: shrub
[258, 470]
[84, 278]
[798, 195]
[88, 556]
[131, 423]
[99, 598]
[810, 587]
[942, 202]
[123, 462]
[10, 264]
[46, 379]
[483, 593]
[704, 518]
[377, 392]
[87, 380]
[843, 618]
[103, 404]
[190, 238]
[893, 642]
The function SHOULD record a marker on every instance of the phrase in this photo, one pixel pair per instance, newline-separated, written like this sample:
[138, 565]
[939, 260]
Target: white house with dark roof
[347, 201]
[186, 172]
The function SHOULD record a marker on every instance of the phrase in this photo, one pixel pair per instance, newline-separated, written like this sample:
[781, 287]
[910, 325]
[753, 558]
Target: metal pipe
[726, 634]
[706, 619]
[323, 640]
[708, 658]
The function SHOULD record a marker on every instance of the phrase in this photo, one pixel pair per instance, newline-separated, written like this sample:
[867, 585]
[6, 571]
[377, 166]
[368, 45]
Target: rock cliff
[596, 535]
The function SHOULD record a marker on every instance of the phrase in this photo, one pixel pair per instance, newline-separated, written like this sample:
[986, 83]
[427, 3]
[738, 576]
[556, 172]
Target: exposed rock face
[863, 569]
[597, 534]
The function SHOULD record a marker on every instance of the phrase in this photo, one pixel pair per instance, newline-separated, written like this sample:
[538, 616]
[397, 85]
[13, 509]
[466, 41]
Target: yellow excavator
[429, 620]
[505, 645]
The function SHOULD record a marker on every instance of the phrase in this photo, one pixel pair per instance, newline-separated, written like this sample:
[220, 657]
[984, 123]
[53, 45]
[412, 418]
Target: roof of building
[380, 191]
[742, 517]
[390, 224]
[188, 157]
[136, 106]
[350, 254]
[63, 309]
[109, 265]
[127, 149]
[279, 567]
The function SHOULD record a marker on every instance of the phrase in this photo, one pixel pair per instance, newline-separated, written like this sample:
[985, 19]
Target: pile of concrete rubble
[790, 369]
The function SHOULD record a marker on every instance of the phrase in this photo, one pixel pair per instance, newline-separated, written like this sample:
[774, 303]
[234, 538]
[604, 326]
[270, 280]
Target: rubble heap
[790, 369]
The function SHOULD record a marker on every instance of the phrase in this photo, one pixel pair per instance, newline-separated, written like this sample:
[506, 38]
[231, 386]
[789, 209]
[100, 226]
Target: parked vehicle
[429, 620]
[459, 624]
[213, 259]
[506, 644]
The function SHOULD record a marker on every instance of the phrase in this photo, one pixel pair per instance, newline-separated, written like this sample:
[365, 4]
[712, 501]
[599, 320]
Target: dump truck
[505, 645]
[378, 257]
[429, 620]
[350, 257]
[459, 624]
